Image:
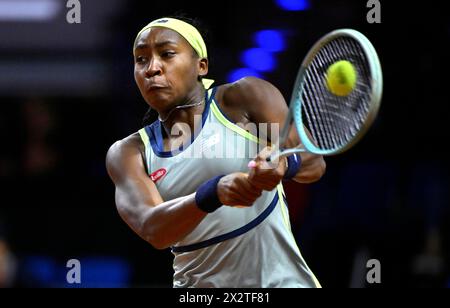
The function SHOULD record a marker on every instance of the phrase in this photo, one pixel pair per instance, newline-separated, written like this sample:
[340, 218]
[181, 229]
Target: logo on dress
[158, 174]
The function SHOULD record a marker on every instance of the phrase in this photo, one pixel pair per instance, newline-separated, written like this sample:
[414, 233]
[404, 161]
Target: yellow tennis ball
[341, 78]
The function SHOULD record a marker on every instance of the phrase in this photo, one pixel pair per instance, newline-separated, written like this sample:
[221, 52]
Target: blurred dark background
[67, 93]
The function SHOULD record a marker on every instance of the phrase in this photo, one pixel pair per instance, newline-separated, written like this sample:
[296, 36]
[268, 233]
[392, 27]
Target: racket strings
[362, 89]
[335, 120]
[322, 121]
[323, 112]
[338, 48]
[328, 136]
[342, 116]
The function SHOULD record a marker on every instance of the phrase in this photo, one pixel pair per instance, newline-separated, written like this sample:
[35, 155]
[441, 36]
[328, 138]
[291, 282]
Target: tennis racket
[329, 124]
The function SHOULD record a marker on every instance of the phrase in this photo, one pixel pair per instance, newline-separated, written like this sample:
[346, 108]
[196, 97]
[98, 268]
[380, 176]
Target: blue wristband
[206, 197]
[294, 163]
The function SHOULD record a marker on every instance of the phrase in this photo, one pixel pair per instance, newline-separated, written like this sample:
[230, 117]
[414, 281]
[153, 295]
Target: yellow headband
[190, 34]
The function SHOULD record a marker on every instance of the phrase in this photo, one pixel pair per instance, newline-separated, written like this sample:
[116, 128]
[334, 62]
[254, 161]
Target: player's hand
[236, 190]
[266, 175]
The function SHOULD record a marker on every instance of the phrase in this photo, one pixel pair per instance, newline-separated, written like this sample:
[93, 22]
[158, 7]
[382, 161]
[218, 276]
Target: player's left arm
[263, 103]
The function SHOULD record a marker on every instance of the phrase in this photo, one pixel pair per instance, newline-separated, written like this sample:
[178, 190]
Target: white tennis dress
[231, 247]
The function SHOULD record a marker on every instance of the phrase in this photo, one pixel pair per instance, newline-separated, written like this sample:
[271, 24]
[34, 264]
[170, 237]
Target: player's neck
[187, 114]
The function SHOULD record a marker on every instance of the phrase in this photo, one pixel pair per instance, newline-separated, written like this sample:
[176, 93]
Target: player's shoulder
[247, 86]
[248, 90]
[131, 141]
[123, 149]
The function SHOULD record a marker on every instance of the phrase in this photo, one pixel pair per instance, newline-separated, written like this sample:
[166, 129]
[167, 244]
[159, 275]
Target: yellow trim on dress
[283, 206]
[284, 210]
[146, 140]
[222, 119]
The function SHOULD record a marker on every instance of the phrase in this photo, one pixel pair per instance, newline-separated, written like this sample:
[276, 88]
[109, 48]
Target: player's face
[166, 68]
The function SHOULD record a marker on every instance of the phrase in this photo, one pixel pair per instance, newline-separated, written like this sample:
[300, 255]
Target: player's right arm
[162, 223]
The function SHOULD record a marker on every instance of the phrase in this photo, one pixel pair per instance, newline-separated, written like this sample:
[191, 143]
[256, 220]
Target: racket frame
[295, 106]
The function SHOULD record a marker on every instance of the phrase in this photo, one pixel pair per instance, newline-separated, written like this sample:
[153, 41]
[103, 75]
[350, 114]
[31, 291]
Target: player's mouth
[155, 87]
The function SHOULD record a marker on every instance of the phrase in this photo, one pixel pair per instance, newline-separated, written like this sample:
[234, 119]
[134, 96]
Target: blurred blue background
[67, 92]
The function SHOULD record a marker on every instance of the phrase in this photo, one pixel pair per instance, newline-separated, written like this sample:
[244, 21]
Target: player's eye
[140, 59]
[168, 54]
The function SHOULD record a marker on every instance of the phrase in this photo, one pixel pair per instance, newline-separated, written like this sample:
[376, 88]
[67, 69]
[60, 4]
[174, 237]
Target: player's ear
[202, 67]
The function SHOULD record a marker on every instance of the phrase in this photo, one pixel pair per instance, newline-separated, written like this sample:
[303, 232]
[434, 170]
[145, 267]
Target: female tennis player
[188, 181]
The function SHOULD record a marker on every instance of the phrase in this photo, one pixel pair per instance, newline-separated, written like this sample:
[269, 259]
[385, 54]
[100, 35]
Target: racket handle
[284, 153]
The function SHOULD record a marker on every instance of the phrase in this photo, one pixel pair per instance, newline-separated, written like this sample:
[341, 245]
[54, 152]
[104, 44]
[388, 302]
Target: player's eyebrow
[157, 44]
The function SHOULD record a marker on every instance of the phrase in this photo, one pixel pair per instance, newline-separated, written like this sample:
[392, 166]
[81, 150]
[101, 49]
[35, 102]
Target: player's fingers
[263, 184]
[240, 199]
[264, 154]
[250, 190]
[244, 187]
[260, 164]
